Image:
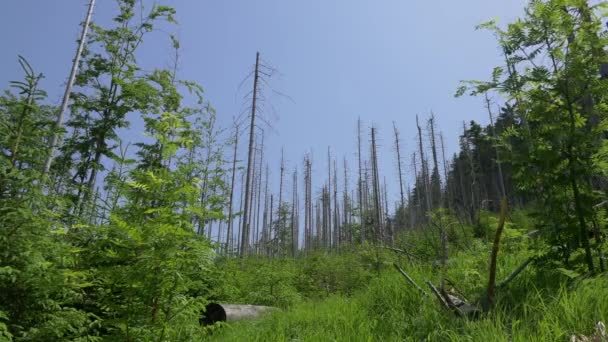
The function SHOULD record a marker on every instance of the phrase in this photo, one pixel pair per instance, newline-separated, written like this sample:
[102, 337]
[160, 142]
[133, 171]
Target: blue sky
[383, 61]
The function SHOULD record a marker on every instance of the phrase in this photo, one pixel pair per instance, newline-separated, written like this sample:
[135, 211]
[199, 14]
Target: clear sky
[384, 61]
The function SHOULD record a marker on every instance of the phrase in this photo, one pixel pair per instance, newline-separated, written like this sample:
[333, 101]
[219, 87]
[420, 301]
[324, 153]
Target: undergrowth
[358, 295]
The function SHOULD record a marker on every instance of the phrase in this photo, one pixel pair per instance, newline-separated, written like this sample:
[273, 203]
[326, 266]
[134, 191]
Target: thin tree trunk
[376, 188]
[230, 218]
[425, 181]
[445, 174]
[336, 209]
[361, 220]
[259, 197]
[68, 88]
[329, 223]
[398, 150]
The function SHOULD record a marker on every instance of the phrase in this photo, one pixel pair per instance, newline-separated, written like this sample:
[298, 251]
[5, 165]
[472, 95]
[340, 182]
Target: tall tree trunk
[360, 185]
[245, 236]
[424, 169]
[259, 197]
[448, 191]
[376, 187]
[329, 222]
[336, 209]
[399, 169]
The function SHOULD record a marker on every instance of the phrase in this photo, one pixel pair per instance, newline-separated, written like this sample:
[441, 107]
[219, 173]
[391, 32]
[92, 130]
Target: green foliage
[535, 307]
[77, 266]
[554, 145]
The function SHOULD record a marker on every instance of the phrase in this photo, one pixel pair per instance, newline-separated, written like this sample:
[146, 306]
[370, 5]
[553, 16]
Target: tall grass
[360, 297]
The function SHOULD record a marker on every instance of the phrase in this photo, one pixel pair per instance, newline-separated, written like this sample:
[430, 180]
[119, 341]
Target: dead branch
[410, 279]
[515, 273]
[438, 294]
[402, 251]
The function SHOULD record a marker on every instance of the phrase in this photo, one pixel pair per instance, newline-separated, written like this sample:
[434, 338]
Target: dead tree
[245, 231]
[336, 210]
[400, 173]
[387, 220]
[418, 205]
[376, 189]
[264, 238]
[270, 225]
[329, 222]
[435, 178]
[230, 204]
[306, 222]
[360, 184]
[424, 169]
[259, 197]
[437, 187]
[445, 174]
[294, 216]
[241, 209]
[68, 88]
[281, 173]
[346, 206]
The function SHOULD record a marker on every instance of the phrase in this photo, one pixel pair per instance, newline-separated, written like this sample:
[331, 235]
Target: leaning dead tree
[68, 89]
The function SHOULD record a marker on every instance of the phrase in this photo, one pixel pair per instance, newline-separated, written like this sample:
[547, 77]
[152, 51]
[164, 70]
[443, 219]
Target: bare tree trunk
[376, 187]
[425, 174]
[398, 150]
[259, 198]
[445, 174]
[329, 225]
[238, 242]
[270, 213]
[419, 206]
[436, 187]
[245, 236]
[264, 239]
[308, 203]
[387, 220]
[230, 218]
[254, 179]
[346, 206]
[280, 216]
[442, 233]
[68, 89]
[361, 220]
[336, 209]
[294, 216]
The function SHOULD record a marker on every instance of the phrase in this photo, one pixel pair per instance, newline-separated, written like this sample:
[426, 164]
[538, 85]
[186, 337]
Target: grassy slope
[537, 306]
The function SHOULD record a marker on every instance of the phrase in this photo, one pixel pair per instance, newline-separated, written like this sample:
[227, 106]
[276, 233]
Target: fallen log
[215, 312]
